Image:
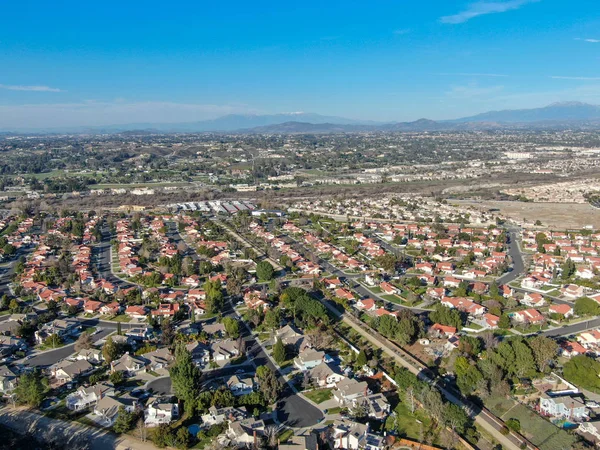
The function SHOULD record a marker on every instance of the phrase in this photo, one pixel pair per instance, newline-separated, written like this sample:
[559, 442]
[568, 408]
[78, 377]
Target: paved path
[482, 417]
[69, 434]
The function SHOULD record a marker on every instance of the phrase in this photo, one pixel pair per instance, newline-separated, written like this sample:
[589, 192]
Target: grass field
[393, 298]
[538, 430]
[319, 395]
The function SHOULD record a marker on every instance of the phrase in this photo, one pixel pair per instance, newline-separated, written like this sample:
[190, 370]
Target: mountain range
[556, 115]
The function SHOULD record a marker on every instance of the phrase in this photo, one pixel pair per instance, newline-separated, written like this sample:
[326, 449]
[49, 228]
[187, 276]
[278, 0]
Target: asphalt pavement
[50, 357]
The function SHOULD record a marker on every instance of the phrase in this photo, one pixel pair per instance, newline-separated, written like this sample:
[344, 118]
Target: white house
[159, 412]
[326, 375]
[85, 397]
[565, 407]
[308, 359]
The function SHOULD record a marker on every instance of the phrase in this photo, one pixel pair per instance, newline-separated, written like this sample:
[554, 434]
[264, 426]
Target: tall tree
[110, 350]
[264, 270]
[268, 384]
[279, 353]
[545, 351]
[31, 388]
[185, 378]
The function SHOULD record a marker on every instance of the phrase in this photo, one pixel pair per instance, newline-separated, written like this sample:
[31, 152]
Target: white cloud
[29, 88]
[484, 7]
[92, 113]
[593, 41]
[576, 78]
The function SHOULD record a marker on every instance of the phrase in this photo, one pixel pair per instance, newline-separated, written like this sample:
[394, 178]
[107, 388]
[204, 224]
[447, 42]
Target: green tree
[279, 353]
[31, 388]
[545, 351]
[125, 421]
[268, 384]
[185, 378]
[446, 316]
[116, 377]
[54, 340]
[583, 372]
[272, 319]
[504, 322]
[568, 269]
[110, 350]
[585, 306]
[232, 327]
[456, 418]
[361, 359]
[214, 296]
[514, 425]
[264, 271]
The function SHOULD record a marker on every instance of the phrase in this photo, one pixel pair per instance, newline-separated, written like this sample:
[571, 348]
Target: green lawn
[408, 423]
[335, 410]
[285, 435]
[538, 430]
[375, 290]
[120, 318]
[319, 395]
[393, 298]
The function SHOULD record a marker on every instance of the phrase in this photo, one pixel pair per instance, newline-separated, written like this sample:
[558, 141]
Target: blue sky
[67, 63]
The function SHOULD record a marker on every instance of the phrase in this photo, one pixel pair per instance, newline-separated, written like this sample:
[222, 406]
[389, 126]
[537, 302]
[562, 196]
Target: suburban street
[102, 261]
[50, 357]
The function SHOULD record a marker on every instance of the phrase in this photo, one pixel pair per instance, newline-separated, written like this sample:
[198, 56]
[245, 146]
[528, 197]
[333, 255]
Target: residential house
[348, 391]
[565, 407]
[565, 310]
[68, 371]
[107, 408]
[216, 415]
[366, 304]
[224, 350]
[240, 385]
[160, 411]
[377, 406]
[159, 359]
[529, 316]
[442, 330]
[326, 375]
[533, 300]
[569, 349]
[388, 288]
[246, 431]
[200, 353]
[136, 312]
[304, 442]
[8, 379]
[308, 359]
[128, 364]
[291, 336]
[91, 355]
[84, 397]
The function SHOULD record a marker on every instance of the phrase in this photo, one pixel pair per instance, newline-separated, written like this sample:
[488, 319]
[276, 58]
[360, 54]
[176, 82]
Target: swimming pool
[194, 429]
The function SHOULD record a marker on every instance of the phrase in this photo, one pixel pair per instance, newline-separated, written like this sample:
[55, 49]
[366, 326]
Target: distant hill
[554, 116]
[564, 111]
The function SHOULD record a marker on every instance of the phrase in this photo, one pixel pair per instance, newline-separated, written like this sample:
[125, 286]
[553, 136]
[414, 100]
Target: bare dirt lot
[554, 215]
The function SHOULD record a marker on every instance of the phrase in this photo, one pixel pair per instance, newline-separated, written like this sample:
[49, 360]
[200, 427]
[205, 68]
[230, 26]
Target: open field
[535, 428]
[553, 215]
